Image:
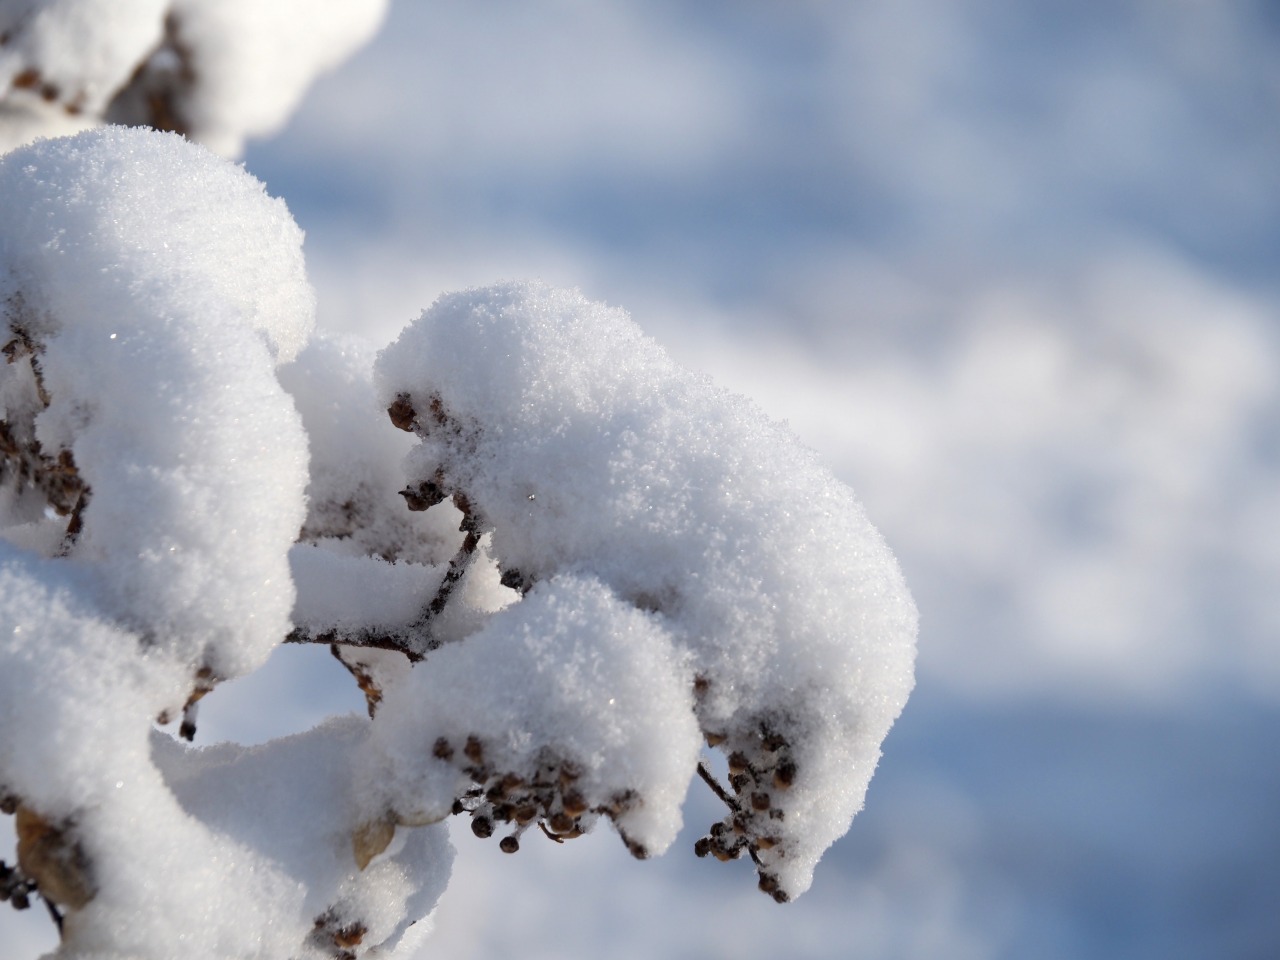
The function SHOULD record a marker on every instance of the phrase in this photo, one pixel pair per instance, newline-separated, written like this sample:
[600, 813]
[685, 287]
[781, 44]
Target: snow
[148, 261]
[153, 505]
[292, 801]
[584, 449]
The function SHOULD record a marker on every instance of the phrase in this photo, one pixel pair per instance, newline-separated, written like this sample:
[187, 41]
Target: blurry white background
[1011, 268]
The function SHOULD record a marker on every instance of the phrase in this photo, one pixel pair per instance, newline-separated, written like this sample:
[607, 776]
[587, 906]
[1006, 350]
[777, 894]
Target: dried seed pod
[561, 823]
[636, 849]
[785, 775]
[511, 782]
[760, 802]
[474, 749]
[482, 826]
[333, 940]
[13, 885]
[442, 750]
[525, 814]
[622, 802]
[509, 844]
[702, 847]
[575, 805]
[423, 497]
[738, 763]
[48, 854]
[370, 839]
[773, 742]
[402, 413]
[350, 936]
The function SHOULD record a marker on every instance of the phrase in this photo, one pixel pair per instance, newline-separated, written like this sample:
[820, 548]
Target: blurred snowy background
[1011, 267]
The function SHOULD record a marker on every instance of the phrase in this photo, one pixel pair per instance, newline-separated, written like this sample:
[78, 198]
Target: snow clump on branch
[583, 451]
[151, 485]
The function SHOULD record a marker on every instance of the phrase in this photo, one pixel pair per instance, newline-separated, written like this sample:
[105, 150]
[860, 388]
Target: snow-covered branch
[558, 565]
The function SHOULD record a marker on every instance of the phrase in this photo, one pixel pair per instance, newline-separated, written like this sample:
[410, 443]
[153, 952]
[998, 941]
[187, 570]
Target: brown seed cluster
[761, 772]
[548, 794]
[15, 887]
[205, 681]
[337, 938]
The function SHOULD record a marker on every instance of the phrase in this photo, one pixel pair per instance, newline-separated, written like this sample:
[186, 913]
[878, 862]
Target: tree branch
[361, 638]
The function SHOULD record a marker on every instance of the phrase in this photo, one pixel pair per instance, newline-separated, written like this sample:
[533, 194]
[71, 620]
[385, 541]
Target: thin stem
[718, 790]
[361, 638]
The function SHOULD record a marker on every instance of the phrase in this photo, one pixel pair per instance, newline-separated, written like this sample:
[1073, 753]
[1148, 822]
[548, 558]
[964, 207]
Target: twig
[461, 560]
[54, 912]
[359, 638]
[718, 790]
